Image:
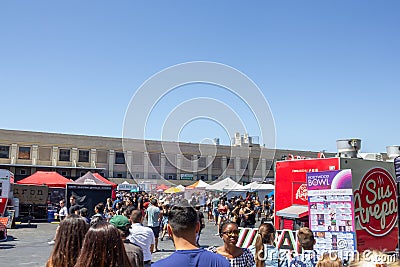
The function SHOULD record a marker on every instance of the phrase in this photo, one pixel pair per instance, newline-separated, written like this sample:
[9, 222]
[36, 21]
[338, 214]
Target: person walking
[164, 221]
[141, 236]
[183, 227]
[153, 216]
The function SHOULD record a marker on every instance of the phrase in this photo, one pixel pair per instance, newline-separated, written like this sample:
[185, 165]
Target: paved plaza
[27, 245]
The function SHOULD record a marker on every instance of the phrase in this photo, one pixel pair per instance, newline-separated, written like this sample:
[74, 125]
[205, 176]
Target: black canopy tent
[88, 191]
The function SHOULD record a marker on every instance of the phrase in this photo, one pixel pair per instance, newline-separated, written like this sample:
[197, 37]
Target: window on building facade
[230, 163]
[4, 152]
[216, 163]
[153, 176]
[101, 156]
[83, 156]
[65, 155]
[44, 153]
[24, 152]
[155, 159]
[119, 158]
[22, 171]
[204, 177]
[137, 158]
[202, 162]
[244, 163]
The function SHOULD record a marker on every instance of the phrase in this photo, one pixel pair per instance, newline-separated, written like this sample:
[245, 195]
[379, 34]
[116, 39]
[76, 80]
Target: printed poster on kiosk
[331, 209]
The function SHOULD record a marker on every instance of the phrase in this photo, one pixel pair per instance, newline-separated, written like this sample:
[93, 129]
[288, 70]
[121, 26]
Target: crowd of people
[115, 234]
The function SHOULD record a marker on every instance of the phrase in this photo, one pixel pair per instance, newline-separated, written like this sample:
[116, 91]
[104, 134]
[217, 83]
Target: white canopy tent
[261, 189]
[254, 186]
[198, 188]
[226, 185]
[181, 187]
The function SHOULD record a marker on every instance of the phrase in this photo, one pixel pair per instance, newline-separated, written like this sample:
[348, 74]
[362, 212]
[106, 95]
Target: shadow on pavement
[26, 226]
[5, 245]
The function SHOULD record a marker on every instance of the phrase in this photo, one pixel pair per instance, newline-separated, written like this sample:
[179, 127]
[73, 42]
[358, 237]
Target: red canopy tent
[113, 185]
[98, 176]
[51, 179]
[162, 187]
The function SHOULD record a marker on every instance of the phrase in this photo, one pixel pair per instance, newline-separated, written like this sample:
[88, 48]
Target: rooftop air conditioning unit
[348, 148]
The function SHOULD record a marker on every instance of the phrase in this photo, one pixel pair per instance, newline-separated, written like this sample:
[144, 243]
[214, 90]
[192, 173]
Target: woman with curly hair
[68, 243]
[103, 247]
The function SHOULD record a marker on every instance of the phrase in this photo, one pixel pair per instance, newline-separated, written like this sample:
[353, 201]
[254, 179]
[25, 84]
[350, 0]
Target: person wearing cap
[134, 252]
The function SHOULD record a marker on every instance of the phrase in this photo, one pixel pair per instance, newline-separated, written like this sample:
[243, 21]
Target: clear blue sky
[329, 69]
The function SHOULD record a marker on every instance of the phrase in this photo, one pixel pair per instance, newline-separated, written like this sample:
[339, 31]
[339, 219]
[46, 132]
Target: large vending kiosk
[374, 197]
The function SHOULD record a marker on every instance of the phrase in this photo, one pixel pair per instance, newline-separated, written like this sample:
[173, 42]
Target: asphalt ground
[27, 244]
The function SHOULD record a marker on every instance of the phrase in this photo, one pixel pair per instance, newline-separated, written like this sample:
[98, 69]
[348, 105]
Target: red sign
[376, 202]
[300, 193]
[290, 181]
[3, 205]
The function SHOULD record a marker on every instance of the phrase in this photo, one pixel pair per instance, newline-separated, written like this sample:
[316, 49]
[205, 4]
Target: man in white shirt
[63, 210]
[142, 236]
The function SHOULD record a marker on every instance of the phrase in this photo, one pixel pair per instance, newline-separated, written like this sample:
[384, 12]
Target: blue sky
[328, 69]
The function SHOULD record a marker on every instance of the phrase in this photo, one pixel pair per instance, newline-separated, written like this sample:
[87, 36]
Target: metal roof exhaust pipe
[393, 151]
[348, 148]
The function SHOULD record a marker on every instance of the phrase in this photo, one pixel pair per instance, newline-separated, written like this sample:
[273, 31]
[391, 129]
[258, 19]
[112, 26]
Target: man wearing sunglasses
[183, 227]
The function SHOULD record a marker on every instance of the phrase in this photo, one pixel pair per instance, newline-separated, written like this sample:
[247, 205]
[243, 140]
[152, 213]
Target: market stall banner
[31, 194]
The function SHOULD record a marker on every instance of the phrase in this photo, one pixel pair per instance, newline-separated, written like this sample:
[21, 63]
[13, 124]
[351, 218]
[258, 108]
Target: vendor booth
[369, 196]
[197, 189]
[125, 186]
[56, 184]
[88, 191]
[230, 187]
[261, 189]
[226, 185]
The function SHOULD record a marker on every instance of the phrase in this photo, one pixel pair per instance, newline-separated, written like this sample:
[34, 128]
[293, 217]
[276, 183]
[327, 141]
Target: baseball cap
[119, 221]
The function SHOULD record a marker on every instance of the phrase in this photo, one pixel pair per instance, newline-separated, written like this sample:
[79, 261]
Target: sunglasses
[231, 233]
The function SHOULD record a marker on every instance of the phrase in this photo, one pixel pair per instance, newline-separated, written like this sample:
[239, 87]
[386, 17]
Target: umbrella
[172, 190]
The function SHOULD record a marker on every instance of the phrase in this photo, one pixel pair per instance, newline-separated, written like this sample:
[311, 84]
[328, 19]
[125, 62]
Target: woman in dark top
[249, 215]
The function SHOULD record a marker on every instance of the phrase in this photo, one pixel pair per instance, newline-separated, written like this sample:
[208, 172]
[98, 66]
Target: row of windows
[63, 155]
[84, 156]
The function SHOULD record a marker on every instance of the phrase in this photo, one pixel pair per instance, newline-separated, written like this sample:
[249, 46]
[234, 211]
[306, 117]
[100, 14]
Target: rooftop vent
[348, 148]
[393, 151]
